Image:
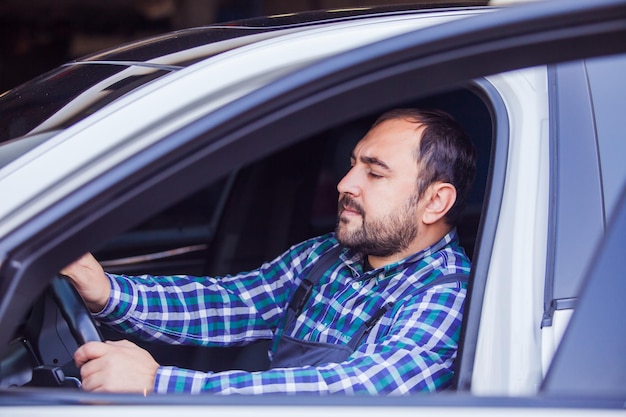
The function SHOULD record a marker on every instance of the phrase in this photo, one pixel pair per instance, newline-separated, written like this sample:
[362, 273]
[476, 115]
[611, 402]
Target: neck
[428, 237]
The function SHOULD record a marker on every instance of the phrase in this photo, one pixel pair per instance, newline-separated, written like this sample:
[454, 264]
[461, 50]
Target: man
[383, 310]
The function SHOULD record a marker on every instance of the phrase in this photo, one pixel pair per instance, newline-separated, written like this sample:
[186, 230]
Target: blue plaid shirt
[411, 348]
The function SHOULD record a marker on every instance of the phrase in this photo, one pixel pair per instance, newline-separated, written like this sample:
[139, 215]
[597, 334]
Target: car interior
[251, 215]
[260, 210]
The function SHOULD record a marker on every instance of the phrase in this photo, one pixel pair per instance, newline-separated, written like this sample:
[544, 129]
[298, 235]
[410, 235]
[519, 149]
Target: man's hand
[119, 366]
[89, 279]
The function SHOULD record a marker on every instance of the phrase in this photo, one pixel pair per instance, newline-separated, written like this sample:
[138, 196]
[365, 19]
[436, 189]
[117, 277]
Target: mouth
[348, 211]
[348, 207]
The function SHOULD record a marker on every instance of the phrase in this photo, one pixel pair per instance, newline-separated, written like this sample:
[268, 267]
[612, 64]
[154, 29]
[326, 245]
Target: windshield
[70, 93]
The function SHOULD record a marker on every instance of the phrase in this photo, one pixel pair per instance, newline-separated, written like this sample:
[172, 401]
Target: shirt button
[356, 285]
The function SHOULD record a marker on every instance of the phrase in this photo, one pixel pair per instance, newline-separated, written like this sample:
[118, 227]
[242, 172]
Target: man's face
[378, 207]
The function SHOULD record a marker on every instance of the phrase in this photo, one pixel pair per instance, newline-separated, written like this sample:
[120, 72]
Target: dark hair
[445, 153]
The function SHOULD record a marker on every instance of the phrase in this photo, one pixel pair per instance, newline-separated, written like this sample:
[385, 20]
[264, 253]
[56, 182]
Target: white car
[208, 151]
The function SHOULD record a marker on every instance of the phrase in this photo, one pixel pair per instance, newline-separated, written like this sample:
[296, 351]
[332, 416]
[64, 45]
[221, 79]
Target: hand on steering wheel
[80, 324]
[74, 311]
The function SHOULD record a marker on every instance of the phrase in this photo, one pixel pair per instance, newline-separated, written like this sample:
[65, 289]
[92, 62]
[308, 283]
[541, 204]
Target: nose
[349, 184]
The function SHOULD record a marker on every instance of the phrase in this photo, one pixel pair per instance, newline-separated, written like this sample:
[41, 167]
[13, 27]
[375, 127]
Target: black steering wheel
[41, 350]
[80, 324]
[74, 311]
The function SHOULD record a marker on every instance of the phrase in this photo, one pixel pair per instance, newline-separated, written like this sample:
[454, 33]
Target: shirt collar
[354, 260]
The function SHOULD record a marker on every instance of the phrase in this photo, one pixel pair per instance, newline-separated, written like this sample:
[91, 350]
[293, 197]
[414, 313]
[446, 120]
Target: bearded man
[375, 307]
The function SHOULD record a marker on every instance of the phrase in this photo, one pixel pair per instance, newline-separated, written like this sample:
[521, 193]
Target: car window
[294, 196]
[79, 89]
[258, 211]
[587, 169]
[608, 94]
[72, 93]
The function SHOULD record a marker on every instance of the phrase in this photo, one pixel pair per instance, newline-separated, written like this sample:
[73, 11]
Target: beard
[378, 237]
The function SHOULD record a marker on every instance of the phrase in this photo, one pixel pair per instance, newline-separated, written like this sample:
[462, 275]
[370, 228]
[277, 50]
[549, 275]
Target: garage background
[38, 35]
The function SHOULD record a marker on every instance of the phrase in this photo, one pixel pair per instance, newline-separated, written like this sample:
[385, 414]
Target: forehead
[393, 141]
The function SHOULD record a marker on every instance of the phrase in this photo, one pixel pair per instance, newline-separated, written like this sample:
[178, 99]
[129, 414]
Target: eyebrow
[370, 160]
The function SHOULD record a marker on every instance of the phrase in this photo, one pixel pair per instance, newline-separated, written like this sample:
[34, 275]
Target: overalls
[292, 352]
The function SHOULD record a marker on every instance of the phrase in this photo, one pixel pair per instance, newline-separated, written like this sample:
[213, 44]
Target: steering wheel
[74, 311]
[21, 365]
[80, 324]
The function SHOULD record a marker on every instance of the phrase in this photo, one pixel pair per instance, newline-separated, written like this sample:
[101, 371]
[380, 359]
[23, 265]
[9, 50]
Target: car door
[590, 360]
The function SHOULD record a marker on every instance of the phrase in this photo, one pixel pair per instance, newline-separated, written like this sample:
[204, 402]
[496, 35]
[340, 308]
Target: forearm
[398, 374]
[182, 310]
[203, 310]
[415, 356]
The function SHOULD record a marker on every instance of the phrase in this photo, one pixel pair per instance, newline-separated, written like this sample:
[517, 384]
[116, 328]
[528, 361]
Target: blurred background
[38, 35]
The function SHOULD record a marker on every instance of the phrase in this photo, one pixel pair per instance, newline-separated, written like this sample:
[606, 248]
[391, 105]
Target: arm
[416, 354]
[198, 310]
[194, 310]
[90, 280]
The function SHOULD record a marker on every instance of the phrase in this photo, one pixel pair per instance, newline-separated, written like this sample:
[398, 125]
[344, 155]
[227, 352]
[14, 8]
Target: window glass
[71, 94]
[608, 92]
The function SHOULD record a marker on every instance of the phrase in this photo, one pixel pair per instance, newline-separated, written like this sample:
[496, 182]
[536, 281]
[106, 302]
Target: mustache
[348, 202]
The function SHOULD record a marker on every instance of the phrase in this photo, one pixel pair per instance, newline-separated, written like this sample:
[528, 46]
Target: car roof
[117, 71]
[155, 46]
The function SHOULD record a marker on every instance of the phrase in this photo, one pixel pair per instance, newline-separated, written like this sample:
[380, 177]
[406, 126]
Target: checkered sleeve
[415, 353]
[221, 311]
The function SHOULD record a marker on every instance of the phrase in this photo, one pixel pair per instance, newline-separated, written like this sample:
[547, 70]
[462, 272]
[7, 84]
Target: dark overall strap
[303, 292]
[369, 325]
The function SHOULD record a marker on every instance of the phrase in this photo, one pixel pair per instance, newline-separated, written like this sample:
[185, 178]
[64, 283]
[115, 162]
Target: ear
[439, 199]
